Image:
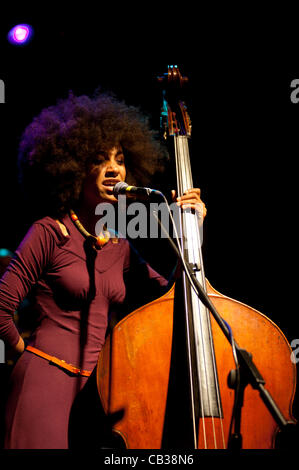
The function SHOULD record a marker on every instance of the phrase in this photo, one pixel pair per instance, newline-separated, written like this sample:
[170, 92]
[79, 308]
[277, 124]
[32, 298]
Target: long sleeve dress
[74, 291]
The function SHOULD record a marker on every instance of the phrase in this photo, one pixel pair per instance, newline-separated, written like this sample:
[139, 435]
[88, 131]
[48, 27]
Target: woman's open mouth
[109, 184]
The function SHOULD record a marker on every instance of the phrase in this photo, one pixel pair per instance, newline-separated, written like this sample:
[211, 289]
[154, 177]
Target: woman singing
[71, 156]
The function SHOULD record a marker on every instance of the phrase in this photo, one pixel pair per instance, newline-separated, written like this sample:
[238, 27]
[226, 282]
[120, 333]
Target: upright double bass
[169, 372]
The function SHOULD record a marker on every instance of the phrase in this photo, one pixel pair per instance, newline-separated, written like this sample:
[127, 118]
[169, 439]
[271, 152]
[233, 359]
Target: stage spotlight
[20, 34]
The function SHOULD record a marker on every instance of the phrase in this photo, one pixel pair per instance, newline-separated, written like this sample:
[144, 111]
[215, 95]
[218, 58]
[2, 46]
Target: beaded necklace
[99, 241]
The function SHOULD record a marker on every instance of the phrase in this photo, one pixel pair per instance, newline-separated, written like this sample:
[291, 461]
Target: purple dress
[75, 290]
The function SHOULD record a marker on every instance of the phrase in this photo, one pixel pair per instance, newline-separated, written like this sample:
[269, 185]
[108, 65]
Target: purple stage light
[20, 34]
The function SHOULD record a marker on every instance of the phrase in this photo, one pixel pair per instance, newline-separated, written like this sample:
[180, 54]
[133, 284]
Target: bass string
[180, 182]
[179, 185]
[188, 166]
[197, 320]
[198, 247]
[204, 286]
[194, 247]
[185, 181]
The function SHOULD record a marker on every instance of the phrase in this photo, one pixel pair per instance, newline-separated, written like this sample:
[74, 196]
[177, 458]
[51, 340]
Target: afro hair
[58, 147]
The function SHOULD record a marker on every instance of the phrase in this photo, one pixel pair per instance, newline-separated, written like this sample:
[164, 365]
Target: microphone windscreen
[119, 188]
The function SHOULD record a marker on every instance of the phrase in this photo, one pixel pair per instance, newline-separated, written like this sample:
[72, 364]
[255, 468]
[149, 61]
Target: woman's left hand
[191, 199]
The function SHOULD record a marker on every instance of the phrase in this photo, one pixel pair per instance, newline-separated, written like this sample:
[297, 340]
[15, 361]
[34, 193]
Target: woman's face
[108, 170]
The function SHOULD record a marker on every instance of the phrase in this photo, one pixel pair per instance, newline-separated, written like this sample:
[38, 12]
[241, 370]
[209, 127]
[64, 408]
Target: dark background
[240, 66]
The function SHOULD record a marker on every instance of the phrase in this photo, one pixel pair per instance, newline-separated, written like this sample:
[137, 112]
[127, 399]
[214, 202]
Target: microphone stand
[248, 372]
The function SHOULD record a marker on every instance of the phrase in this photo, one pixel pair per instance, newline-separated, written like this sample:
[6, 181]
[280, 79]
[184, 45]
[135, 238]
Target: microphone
[134, 192]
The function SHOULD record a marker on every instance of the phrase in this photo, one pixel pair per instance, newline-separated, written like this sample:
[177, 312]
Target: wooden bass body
[134, 367]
